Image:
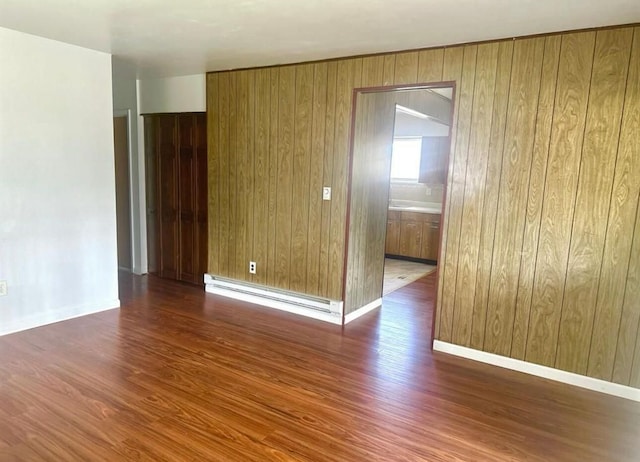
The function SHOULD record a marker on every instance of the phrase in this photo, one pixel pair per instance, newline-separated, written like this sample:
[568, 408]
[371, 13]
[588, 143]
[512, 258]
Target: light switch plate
[3, 288]
[326, 193]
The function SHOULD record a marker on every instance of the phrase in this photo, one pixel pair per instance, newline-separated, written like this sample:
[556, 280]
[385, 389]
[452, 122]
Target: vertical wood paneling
[632, 303]
[406, 69]
[451, 71]
[514, 182]
[232, 174]
[243, 194]
[599, 153]
[535, 195]
[473, 190]
[319, 109]
[261, 173]
[491, 191]
[620, 275]
[327, 173]
[457, 178]
[539, 260]
[372, 71]
[344, 90]
[574, 75]
[273, 174]
[213, 130]
[388, 74]
[373, 137]
[223, 179]
[430, 64]
[301, 173]
[286, 127]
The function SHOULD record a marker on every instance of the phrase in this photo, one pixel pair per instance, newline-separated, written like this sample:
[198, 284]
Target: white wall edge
[362, 310]
[332, 318]
[61, 315]
[550, 373]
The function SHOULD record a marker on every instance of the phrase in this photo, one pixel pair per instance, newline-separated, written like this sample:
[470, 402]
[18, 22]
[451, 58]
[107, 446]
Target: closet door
[167, 196]
[180, 152]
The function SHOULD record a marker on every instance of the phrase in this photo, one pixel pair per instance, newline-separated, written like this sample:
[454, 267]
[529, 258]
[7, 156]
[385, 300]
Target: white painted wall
[174, 94]
[57, 188]
[125, 101]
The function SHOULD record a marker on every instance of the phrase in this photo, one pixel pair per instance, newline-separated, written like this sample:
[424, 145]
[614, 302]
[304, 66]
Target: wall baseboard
[550, 373]
[291, 302]
[362, 310]
[42, 319]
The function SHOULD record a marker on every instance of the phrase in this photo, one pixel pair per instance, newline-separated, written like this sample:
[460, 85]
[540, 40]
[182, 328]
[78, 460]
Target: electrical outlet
[3, 288]
[428, 190]
[252, 267]
[326, 193]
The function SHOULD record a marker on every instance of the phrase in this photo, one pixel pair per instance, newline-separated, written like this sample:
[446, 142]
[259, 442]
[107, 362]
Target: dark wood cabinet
[178, 150]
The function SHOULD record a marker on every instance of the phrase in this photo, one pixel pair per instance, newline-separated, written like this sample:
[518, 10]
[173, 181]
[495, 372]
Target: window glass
[405, 159]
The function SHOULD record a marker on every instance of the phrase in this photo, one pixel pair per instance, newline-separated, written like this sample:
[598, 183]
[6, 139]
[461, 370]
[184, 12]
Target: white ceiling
[179, 37]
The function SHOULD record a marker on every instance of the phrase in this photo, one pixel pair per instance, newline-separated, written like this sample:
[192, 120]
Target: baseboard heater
[306, 305]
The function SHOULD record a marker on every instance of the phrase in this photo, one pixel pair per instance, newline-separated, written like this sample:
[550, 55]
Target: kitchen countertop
[414, 206]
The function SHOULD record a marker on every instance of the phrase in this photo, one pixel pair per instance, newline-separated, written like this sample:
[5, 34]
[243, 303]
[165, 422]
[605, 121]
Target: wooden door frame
[443, 218]
[132, 183]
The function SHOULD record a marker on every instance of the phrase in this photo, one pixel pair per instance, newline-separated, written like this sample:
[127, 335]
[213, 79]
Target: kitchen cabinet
[392, 243]
[413, 235]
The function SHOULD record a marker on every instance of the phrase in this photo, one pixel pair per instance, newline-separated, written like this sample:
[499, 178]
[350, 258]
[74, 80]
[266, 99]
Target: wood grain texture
[213, 135]
[177, 374]
[345, 83]
[599, 155]
[473, 197]
[273, 176]
[316, 181]
[301, 177]
[430, 64]
[406, 68]
[544, 119]
[284, 201]
[223, 180]
[491, 193]
[518, 211]
[619, 276]
[514, 182]
[455, 189]
[372, 71]
[627, 364]
[327, 173]
[262, 140]
[574, 75]
[451, 71]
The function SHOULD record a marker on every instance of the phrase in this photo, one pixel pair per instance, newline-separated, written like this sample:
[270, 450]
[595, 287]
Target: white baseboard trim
[50, 317]
[550, 373]
[291, 302]
[362, 310]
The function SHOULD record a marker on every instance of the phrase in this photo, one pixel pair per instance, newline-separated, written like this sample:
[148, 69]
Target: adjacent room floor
[399, 273]
[177, 374]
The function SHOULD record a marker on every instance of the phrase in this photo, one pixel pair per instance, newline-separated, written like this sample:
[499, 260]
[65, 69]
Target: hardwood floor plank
[178, 374]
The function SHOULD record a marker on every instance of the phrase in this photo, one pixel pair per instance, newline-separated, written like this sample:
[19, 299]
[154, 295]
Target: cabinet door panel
[410, 238]
[430, 241]
[392, 245]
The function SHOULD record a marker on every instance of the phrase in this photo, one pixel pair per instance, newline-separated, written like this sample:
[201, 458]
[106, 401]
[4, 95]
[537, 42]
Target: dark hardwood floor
[177, 374]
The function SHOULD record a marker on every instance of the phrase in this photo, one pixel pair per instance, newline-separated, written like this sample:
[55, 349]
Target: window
[405, 159]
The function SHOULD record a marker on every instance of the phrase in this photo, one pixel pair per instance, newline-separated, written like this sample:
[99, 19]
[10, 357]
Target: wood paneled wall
[371, 169]
[541, 240]
[539, 259]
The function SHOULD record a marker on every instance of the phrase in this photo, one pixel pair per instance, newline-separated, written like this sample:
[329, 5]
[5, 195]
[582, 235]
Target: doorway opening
[419, 155]
[399, 163]
[123, 192]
